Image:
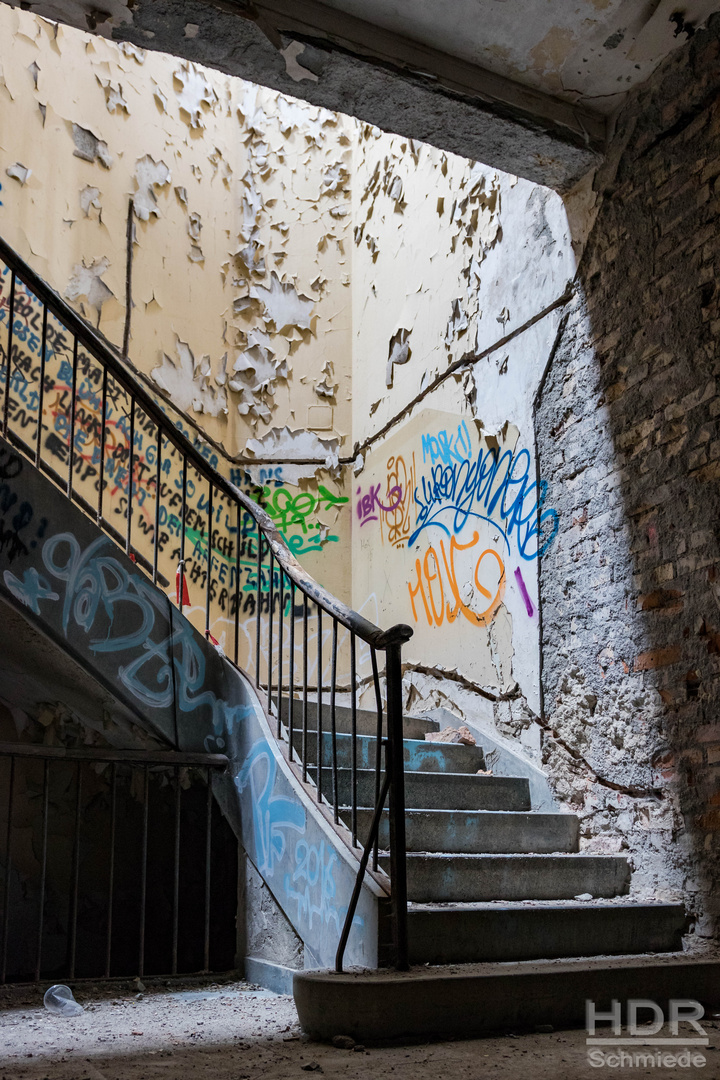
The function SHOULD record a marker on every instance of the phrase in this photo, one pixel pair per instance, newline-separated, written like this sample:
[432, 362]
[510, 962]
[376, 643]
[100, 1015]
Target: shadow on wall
[628, 437]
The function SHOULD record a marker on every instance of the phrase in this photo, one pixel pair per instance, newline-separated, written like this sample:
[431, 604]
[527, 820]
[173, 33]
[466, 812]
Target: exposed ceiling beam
[347, 64]
[322, 25]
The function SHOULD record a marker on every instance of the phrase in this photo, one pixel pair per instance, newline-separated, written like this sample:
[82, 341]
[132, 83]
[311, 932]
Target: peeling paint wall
[451, 258]
[241, 216]
[221, 212]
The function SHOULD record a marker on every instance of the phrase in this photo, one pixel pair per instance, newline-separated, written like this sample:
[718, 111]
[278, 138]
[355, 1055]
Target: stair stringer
[89, 598]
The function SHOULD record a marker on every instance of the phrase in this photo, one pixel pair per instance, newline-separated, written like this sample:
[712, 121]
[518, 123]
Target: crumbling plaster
[627, 434]
[552, 149]
[484, 286]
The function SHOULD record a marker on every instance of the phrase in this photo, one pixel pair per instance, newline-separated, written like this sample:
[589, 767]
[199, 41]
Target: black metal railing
[94, 806]
[121, 454]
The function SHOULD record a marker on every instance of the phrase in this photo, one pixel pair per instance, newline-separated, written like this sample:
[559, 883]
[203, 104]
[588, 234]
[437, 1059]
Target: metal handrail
[270, 543]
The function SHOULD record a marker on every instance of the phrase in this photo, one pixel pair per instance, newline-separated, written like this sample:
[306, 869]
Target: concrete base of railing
[476, 999]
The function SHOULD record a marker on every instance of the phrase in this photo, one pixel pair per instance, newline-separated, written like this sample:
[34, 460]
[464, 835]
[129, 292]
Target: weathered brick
[657, 658]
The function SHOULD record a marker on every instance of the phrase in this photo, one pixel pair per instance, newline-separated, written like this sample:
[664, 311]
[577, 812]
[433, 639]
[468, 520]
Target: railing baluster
[111, 872]
[396, 769]
[176, 874]
[75, 874]
[391, 641]
[182, 533]
[237, 583]
[158, 489]
[43, 867]
[305, 687]
[8, 871]
[378, 740]
[333, 724]
[143, 870]
[291, 673]
[353, 740]
[131, 466]
[319, 706]
[281, 621]
[41, 391]
[209, 562]
[8, 357]
[103, 413]
[73, 392]
[258, 607]
[271, 604]
[208, 854]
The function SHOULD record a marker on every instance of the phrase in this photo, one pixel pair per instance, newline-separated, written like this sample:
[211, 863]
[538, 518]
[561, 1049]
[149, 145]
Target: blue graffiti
[313, 875]
[273, 815]
[172, 668]
[487, 486]
[31, 590]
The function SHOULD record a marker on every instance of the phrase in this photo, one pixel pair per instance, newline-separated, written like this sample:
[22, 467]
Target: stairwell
[492, 885]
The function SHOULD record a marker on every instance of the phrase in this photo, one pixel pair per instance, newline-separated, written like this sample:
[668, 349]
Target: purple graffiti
[524, 593]
[367, 504]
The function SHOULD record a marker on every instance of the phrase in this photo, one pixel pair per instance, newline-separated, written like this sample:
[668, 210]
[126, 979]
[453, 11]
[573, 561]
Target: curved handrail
[104, 351]
[269, 539]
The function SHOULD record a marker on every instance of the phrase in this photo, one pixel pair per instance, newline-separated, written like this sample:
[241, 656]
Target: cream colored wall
[451, 257]
[240, 267]
[300, 279]
[241, 262]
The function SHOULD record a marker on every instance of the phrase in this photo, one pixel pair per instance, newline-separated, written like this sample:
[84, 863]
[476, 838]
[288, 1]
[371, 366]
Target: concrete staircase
[489, 879]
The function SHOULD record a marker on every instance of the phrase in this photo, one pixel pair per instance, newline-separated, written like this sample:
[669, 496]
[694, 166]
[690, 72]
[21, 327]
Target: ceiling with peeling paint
[589, 51]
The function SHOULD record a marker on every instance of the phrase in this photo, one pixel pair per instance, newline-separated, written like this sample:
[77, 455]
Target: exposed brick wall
[629, 440]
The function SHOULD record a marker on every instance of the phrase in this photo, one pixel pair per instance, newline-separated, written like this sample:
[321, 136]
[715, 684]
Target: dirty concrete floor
[234, 1031]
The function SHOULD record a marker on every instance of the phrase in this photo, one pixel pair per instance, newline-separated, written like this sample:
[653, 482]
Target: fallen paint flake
[3, 82]
[194, 226]
[294, 68]
[19, 172]
[334, 178]
[87, 281]
[191, 30]
[133, 51]
[188, 384]
[114, 99]
[89, 198]
[457, 323]
[287, 445]
[160, 97]
[89, 147]
[306, 119]
[283, 305]
[399, 352]
[196, 91]
[149, 174]
[327, 387]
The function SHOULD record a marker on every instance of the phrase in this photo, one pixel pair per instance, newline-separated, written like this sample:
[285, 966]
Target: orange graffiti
[433, 585]
[400, 520]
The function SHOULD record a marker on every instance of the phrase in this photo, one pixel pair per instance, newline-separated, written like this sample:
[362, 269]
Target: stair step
[433, 878]
[436, 791]
[419, 756]
[472, 933]
[478, 831]
[415, 727]
[474, 999]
